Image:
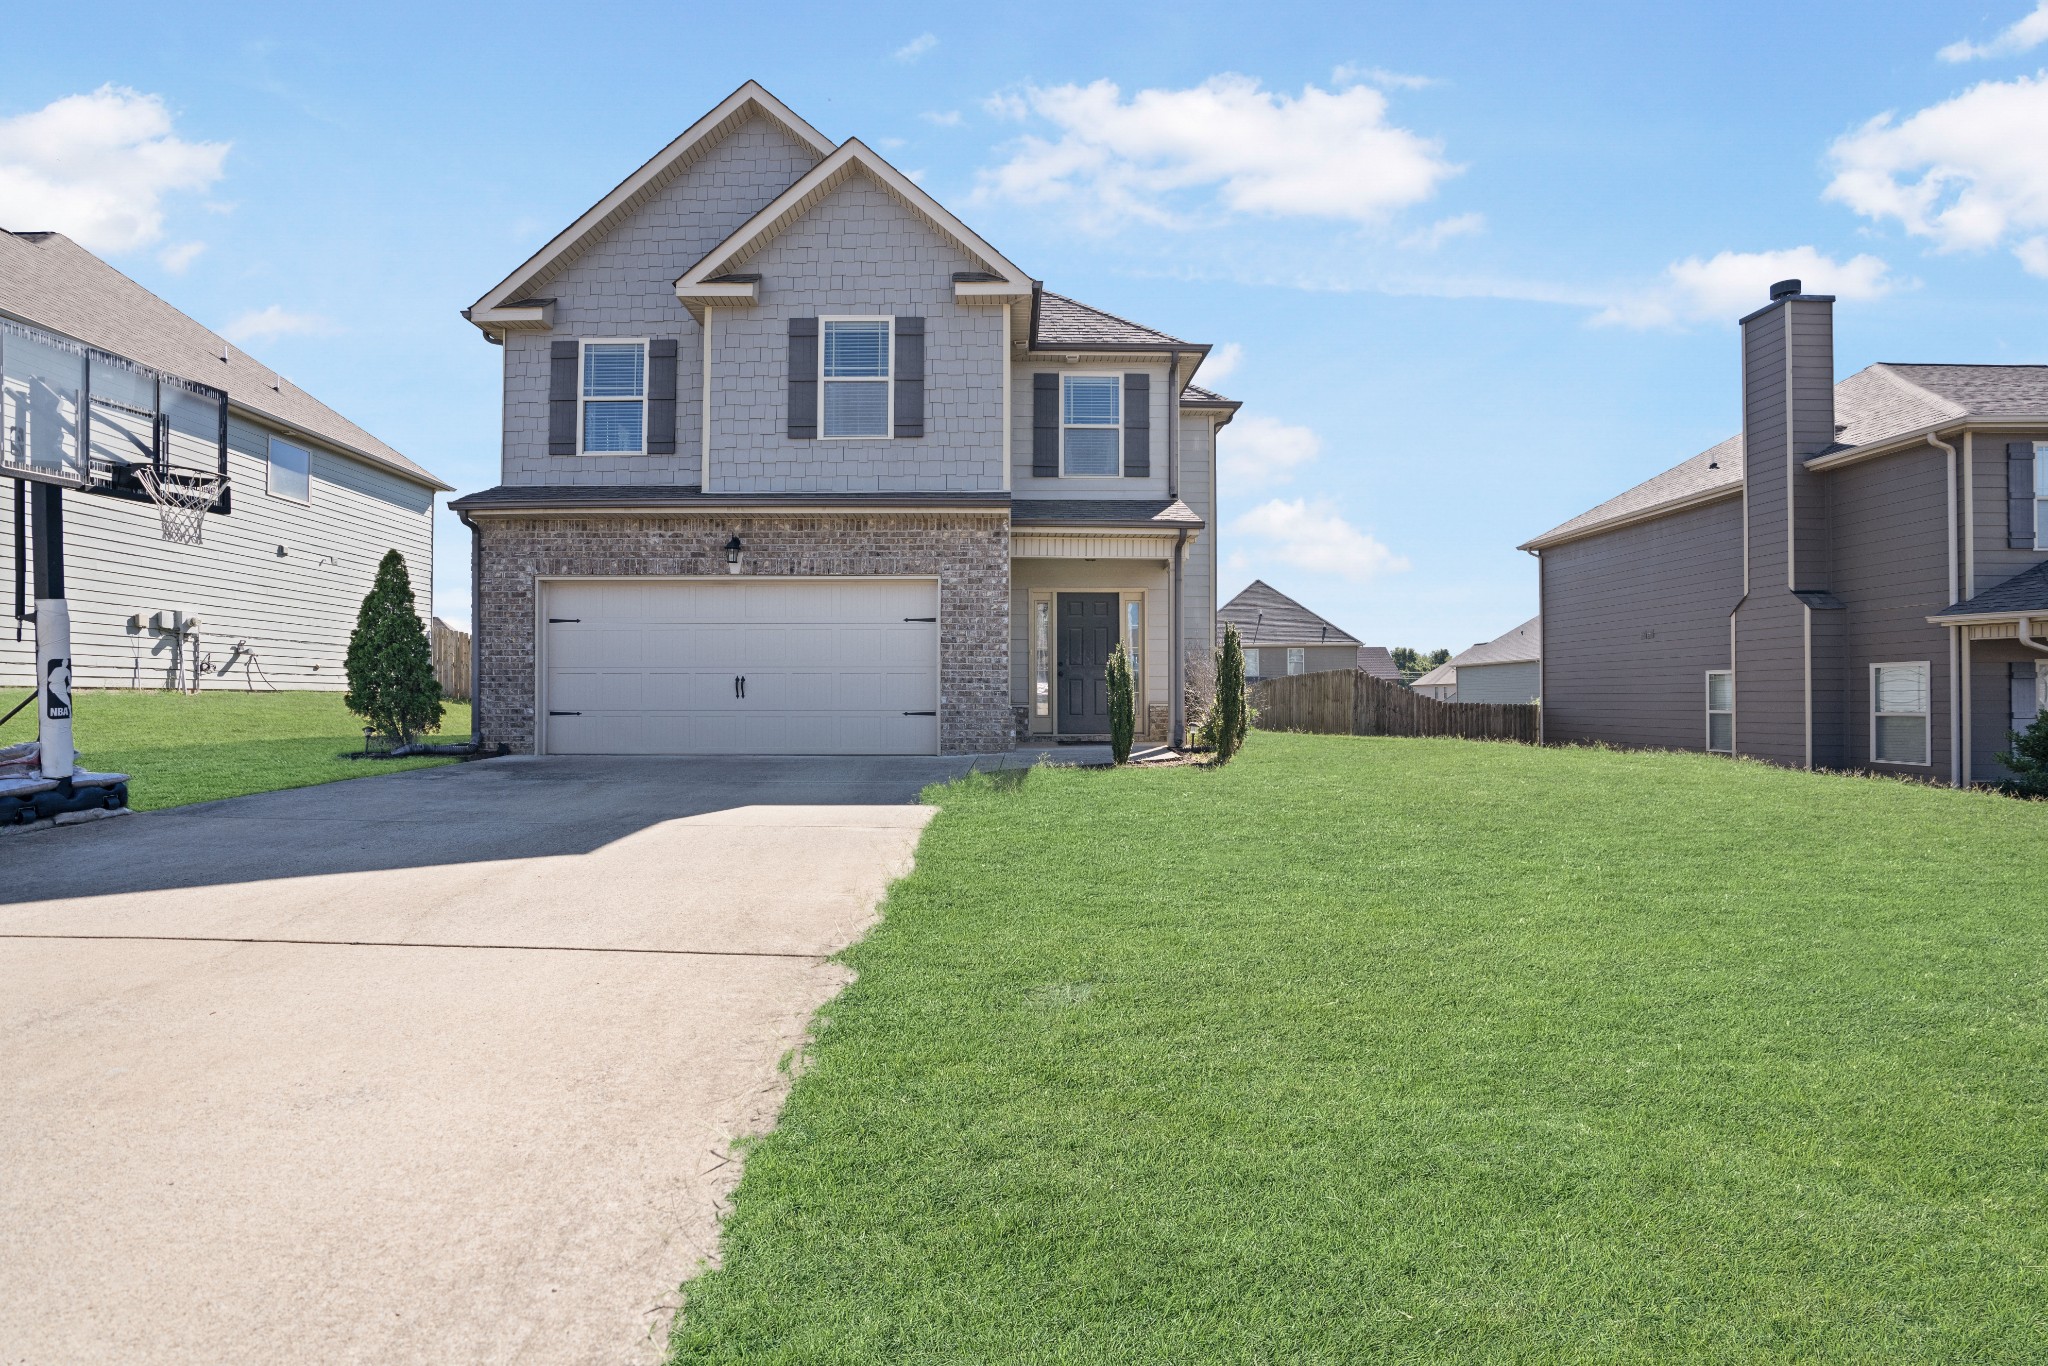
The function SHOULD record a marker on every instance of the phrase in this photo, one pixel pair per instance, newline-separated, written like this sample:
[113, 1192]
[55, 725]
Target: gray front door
[1087, 635]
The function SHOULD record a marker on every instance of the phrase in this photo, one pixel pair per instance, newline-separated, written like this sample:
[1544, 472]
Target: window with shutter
[614, 397]
[2025, 493]
[856, 377]
[1091, 418]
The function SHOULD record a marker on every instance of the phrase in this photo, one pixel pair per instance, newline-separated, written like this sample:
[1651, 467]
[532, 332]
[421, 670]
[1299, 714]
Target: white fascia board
[853, 154]
[749, 98]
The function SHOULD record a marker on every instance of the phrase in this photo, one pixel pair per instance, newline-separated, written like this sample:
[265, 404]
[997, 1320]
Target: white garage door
[741, 666]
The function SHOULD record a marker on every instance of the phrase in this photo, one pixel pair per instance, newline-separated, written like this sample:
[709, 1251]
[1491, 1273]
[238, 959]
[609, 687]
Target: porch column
[1176, 676]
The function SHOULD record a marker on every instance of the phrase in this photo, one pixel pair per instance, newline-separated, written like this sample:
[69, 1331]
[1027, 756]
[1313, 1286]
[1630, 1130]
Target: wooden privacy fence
[1355, 703]
[451, 659]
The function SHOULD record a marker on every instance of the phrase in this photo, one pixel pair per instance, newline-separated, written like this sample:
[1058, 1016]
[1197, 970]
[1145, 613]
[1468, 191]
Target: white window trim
[646, 369]
[1117, 428]
[1926, 717]
[270, 445]
[1297, 660]
[1711, 713]
[886, 380]
[1252, 660]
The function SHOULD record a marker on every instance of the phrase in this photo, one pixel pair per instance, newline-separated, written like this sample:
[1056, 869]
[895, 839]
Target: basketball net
[181, 501]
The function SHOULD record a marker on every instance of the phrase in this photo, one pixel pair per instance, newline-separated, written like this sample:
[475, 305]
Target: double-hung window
[1297, 659]
[614, 398]
[1720, 712]
[854, 367]
[1251, 664]
[1091, 425]
[291, 472]
[1899, 713]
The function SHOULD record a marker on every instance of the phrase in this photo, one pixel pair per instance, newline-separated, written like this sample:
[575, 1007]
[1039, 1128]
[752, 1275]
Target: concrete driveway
[440, 1066]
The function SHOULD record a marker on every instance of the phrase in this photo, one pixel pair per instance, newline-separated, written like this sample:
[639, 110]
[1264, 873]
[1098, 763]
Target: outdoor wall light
[732, 555]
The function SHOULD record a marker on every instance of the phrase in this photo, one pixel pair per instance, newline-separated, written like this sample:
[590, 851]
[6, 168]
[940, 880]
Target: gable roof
[1517, 645]
[749, 101]
[1444, 675]
[1878, 404]
[49, 280]
[702, 281]
[1265, 616]
[1378, 661]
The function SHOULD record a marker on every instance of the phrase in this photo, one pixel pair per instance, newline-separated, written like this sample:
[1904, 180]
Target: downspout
[1955, 648]
[2025, 626]
[476, 631]
[1176, 710]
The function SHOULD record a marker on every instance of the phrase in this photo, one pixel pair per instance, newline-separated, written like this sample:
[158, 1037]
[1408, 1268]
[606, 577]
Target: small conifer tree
[390, 665]
[1231, 716]
[1122, 710]
[2028, 757]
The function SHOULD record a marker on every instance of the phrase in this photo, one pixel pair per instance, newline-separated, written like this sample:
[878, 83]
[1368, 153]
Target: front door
[1087, 635]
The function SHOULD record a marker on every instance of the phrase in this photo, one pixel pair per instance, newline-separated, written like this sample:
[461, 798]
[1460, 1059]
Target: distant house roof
[1265, 616]
[2026, 591]
[49, 280]
[1442, 676]
[1377, 661]
[1521, 645]
[1059, 321]
[1877, 404]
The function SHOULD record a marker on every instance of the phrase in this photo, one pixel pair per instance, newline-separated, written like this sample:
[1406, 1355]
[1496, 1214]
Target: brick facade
[968, 552]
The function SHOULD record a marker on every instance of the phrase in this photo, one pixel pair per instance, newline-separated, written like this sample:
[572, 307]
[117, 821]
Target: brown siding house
[1858, 581]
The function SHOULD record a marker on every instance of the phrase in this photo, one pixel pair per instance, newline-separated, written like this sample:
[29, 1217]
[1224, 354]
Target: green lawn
[179, 748]
[1422, 1051]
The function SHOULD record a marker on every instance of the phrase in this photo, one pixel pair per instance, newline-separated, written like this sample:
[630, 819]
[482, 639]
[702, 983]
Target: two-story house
[1858, 580]
[796, 462]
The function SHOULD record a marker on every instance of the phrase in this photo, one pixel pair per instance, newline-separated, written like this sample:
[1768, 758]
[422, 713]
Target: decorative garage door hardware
[565, 713]
[557, 621]
[933, 620]
[739, 685]
[920, 713]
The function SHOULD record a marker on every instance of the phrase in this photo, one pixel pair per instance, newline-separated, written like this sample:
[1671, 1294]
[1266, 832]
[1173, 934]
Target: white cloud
[1350, 73]
[1315, 538]
[1967, 173]
[917, 47]
[1723, 287]
[176, 259]
[1261, 450]
[949, 118]
[2033, 254]
[268, 324]
[1221, 364]
[97, 168]
[1320, 154]
[1444, 229]
[2024, 36]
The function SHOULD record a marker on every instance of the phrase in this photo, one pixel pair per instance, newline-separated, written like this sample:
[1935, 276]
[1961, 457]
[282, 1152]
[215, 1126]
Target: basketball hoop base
[24, 801]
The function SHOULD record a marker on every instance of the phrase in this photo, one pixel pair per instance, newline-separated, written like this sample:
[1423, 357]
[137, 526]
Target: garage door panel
[830, 666]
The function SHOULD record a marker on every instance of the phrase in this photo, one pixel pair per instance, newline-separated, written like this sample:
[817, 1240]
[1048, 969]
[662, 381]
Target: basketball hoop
[182, 501]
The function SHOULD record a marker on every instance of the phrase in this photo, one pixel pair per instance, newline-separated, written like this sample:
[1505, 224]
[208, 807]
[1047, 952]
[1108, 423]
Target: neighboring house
[1508, 668]
[314, 503]
[1854, 582]
[1280, 637]
[795, 461]
[1440, 683]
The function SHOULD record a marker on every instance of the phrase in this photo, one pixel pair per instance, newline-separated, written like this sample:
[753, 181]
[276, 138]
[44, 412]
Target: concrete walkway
[440, 1066]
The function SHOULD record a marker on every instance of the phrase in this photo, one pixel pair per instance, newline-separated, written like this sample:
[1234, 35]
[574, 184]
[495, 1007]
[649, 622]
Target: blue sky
[1477, 268]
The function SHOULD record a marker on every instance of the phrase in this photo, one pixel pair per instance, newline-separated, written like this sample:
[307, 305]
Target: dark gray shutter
[1045, 425]
[2019, 495]
[803, 379]
[661, 396]
[910, 377]
[1137, 426]
[562, 397]
[2025, 701]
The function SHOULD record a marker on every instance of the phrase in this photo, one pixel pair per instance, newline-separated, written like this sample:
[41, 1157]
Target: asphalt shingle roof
[1265, 616]
[1873, 405]
[1195, 393]
[1068, 322]
[2026, 591]
[1168, 513]
[49, 280]
[1517, 646]
[1379, 662]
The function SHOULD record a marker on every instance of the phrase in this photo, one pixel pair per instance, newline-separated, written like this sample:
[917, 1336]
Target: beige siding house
[315, 503]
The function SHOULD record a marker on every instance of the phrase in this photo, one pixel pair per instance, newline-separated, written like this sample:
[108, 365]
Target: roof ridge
[1118, 317]
[1885, 369]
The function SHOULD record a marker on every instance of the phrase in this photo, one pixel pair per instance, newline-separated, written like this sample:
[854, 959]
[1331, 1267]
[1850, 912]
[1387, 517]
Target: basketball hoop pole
[53, 633]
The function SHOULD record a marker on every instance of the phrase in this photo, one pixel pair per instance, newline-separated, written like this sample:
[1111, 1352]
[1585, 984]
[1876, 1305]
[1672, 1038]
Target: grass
[179, 748]
[1421, 1051]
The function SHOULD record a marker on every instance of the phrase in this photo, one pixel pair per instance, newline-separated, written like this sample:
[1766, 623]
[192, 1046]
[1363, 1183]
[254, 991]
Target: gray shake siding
[294, 611]
[1632, 621]
[861, 252]
[1890, 571]
[1198, 491]
[623, 285]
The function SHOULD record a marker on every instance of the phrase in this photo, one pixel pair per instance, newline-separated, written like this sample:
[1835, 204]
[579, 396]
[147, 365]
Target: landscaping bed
[1421, 1051]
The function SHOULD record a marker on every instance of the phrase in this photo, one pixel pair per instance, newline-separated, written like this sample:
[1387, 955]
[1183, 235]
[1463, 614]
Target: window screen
[856, 373]
[1900, 694]
[1092, 417]
[614, 398]
[291, 471]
